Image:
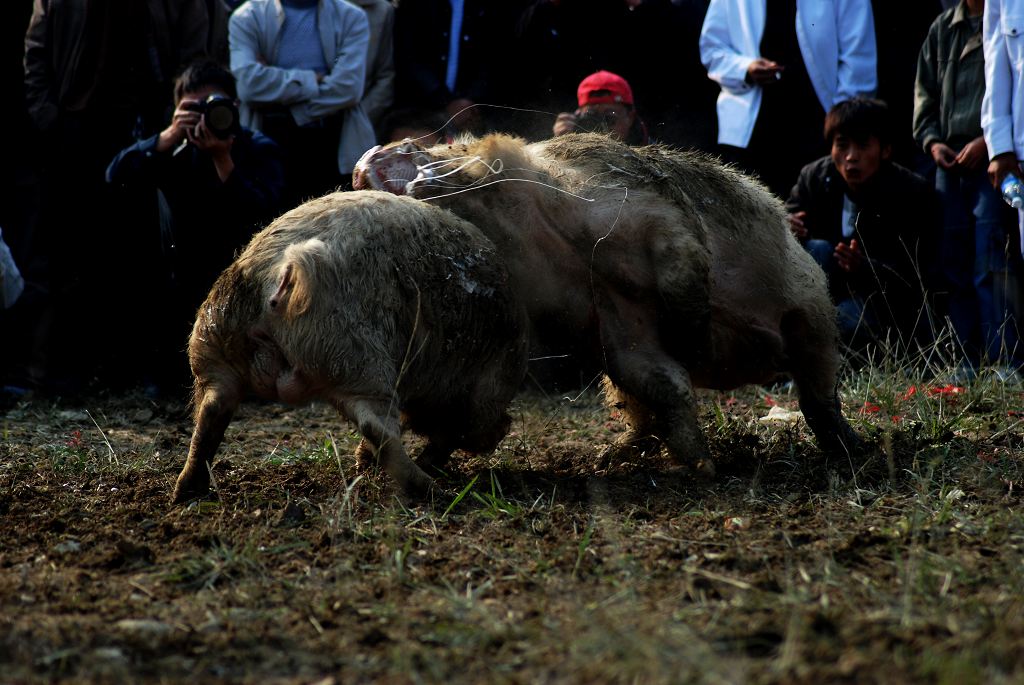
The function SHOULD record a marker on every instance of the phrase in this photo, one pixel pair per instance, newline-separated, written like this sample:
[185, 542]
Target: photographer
[216, 184]
[605, 106]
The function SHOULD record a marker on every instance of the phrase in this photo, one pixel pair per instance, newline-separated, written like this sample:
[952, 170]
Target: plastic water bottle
[1013, 191]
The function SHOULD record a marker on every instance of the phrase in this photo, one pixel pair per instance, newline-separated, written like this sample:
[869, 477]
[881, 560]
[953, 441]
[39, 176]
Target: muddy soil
[540, 564]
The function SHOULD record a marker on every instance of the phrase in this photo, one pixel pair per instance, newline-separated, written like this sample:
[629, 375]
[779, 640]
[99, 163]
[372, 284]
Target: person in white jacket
[1002, 108]
[781, 65]
[301, 72]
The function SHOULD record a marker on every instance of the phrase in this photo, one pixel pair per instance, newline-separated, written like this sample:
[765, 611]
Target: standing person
[97, 73]
[1002, 109]
[301, 68]
[781, 65]
[221, 183]
[974, 248]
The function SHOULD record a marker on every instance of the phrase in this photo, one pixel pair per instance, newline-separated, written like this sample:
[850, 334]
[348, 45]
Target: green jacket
[950, 81]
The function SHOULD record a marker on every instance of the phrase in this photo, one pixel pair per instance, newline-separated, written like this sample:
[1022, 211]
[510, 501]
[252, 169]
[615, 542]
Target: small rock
[291, 515]
[69, 546]
[109, 654]
[143, 626]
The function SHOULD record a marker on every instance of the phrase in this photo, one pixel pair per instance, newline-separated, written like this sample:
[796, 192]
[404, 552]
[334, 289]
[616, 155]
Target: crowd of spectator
[885, 127]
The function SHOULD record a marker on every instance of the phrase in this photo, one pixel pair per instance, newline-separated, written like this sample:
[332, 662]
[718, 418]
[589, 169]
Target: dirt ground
[545, 565]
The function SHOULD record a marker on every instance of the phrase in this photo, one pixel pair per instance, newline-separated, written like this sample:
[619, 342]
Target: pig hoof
[365, 458]
[189, 489]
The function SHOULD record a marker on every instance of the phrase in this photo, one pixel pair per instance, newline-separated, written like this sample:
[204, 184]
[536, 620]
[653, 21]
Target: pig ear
[283, 287]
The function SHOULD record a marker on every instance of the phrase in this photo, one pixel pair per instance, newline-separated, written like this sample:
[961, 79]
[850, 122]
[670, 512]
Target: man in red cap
[605, 106]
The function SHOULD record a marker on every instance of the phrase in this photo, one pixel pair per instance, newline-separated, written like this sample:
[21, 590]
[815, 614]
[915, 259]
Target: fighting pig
[395, 312]
[666, 268]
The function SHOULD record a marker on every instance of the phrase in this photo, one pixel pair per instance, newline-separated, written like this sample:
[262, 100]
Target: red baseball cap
[604, 87]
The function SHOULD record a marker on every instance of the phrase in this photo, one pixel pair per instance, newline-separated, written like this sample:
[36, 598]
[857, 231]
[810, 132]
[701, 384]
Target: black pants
[310, 154]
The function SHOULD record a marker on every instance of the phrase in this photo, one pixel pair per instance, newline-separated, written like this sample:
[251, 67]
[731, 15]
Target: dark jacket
[211, 220]
[421, 51]
[897, 226]
[70, 67]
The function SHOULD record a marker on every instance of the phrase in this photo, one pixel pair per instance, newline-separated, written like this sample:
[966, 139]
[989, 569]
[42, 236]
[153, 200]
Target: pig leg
[640, 437]
[814, 364]
[380, 427]
[365, 458]
[637, 364]
[214, 410]
[479, 430]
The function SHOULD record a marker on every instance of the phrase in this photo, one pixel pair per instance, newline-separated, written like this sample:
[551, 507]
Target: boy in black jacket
[870, 223]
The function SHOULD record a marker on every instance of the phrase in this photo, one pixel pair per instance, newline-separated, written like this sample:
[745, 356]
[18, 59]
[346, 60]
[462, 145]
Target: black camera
[219, 114]
[593, 121]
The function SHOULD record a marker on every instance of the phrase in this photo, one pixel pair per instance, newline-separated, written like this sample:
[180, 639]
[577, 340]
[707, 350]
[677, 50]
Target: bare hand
[764, 71]
[183, 121]
[796, 224]
[565, 123]
[849, 257]
[1000, 166]
[974, 156]
[944, 155]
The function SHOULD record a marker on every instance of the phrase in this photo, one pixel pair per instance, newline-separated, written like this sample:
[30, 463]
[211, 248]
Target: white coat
[837, 43]
[1002, 108]
[253, 32]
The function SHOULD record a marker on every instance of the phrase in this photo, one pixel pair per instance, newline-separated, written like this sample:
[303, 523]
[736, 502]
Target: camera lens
[221, 116]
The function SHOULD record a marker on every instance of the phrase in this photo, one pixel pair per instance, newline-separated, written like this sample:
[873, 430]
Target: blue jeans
[983, 304]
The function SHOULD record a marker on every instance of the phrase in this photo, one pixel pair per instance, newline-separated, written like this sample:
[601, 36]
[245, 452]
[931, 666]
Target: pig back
[397, 290]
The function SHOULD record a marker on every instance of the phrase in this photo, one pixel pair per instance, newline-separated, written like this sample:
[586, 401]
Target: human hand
[183, 121]
[565, 123]
[850, 258]
[764, 71]
[204, 139]
[974, 155]
[944, 155]
[796, 224]
[1000, 166]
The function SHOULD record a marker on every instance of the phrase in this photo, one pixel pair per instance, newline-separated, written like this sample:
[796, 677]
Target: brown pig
[382, 306]
[666, 268]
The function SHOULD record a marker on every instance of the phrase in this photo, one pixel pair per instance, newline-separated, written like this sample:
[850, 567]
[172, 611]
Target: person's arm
[39, 93]
[798, 205]
[723, 60]
[927, 94]
[858, 55]
[137, 164]
[996, 105]
[258, 81]
[342, 87]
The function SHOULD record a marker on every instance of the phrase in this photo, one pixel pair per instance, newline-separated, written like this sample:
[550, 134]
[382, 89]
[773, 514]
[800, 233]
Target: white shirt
[1002, 108]
[837, 43]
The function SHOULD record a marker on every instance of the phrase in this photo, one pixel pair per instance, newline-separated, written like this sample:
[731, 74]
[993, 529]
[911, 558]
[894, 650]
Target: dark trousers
[310, 154]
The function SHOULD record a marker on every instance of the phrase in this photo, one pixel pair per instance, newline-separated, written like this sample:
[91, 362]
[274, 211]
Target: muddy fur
[670, 269]
[377, 304]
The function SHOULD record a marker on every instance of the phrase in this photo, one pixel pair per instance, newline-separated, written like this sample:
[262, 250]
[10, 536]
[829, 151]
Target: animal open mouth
[384, 169]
